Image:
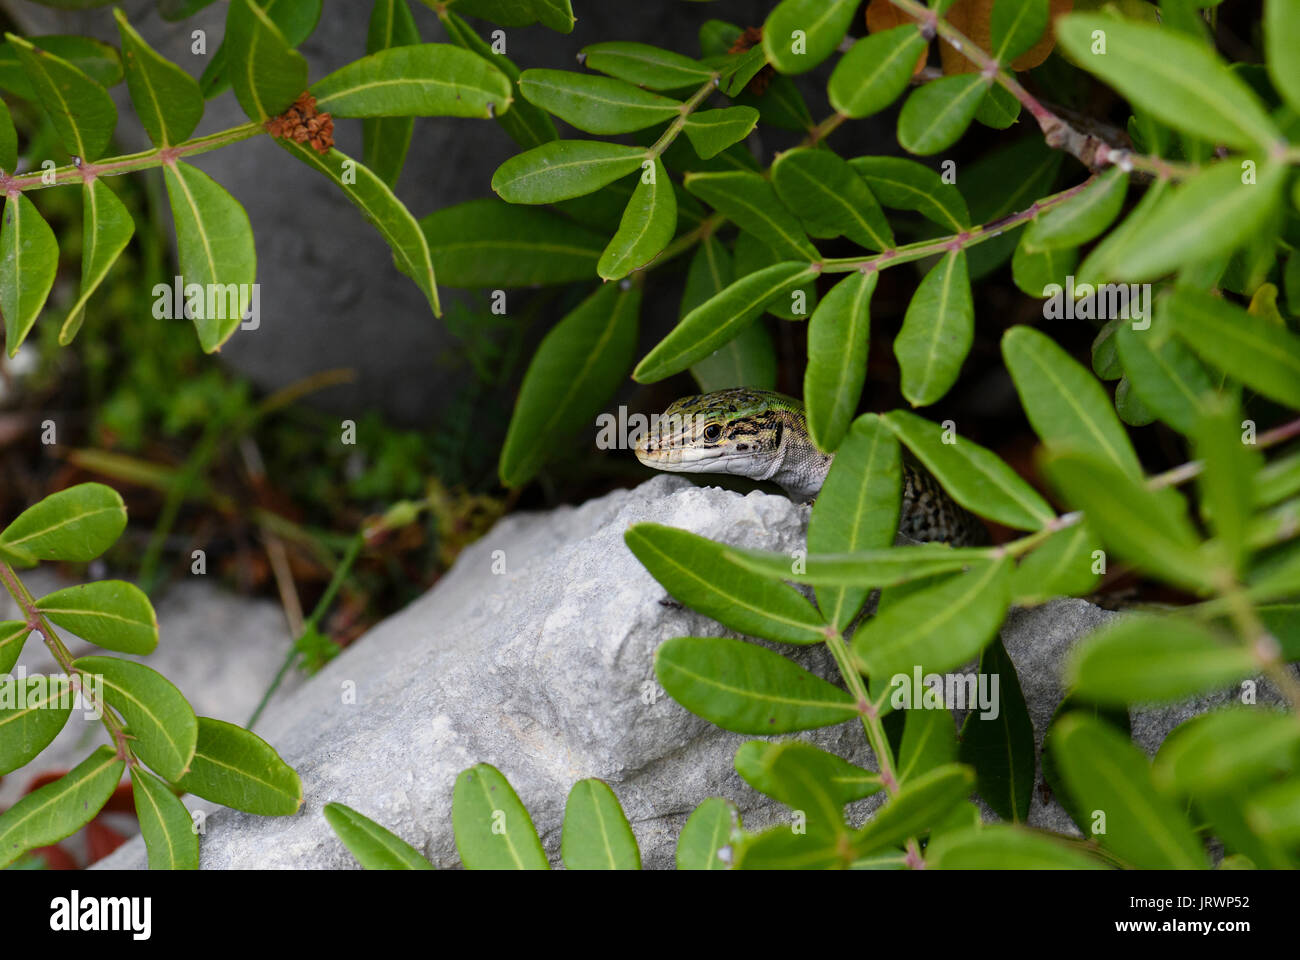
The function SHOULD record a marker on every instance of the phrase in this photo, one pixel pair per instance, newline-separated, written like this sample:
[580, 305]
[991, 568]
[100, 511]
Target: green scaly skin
[763, 435]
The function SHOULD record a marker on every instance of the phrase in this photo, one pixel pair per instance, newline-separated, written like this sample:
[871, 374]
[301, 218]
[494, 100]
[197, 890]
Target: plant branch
[1090, 150]
[679, 122]
[36, 620]
[957, 241]
[79, 171]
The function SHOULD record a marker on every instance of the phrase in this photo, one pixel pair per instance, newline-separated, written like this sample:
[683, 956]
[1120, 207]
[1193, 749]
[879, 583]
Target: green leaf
[742, 69]
[781, 105]
[1060, 567]
[1227, 482]
[1172, 76]
[32, 712]
[1105, 260]
[838, 336]
[916, 807]
[751, 255]
[976, 477]
[13, 634]
[596, 833]
[602, 105]
[266, 72]
[804, 780]
[651, 67]
[998, 108]
[387, 139]
[1271, 814]
[784, 847]
[157, 715]
[1225, 750]
[74, 525]
[862, 568]
[799, 34]
[748, 359]
[719, 319]
[780, 769]
[937, 627]
[239, 769]
[169, 836]
[697, 572]
[751, 203]
[903, 184]
[1015, 26]
[572, 376]
[526, 124]
[564, 168]
[490, 243]
[929, 741]
[421, 80]
[1066, 405]
[875, 71]
[746, 688]
[830, 198]
[937, 114]
[493, 829]
[1001, 747]
[707, 831]
[112, 614]
[999, 846]
[937, 331]
[81, 110]
[166, 98]
[8, 140]
[1081, 218]
[648, 224]
[1035, 271]
[1143, 658]
[857, 509]
[374, 847]
[295, 19]
[29, 259]
[554, 14]
[1281, 27]
[1208, 215]
[382, 209]
[106, 229]
[1259, 353]
[1166, 376]
[1147, 528]
[61, 808]
[1108, 775]
[94, 58]
[712, 131]
[215, 243]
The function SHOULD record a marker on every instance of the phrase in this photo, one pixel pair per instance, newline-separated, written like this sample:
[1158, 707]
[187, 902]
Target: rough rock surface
[542, 670]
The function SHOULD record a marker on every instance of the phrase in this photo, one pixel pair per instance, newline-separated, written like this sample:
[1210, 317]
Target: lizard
[763, 435]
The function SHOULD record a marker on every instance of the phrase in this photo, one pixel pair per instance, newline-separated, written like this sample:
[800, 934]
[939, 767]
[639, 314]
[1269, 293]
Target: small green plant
[153, 731]
[1180, 284]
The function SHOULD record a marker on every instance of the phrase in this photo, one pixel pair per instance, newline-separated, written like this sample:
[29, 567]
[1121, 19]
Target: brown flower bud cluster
[303, 124]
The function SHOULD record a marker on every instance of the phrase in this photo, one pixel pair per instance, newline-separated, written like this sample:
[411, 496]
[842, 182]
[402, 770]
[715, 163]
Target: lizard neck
[799, 468]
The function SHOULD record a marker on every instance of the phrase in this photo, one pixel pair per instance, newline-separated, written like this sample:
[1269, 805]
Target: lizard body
[763, 435]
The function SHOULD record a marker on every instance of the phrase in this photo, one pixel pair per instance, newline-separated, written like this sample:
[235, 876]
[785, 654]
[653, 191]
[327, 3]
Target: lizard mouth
[688, 459]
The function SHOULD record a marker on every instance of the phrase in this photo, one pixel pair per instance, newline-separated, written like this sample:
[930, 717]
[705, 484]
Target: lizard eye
[712, 432]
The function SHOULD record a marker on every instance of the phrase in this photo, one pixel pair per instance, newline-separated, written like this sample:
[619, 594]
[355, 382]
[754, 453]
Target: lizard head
[738, 431]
